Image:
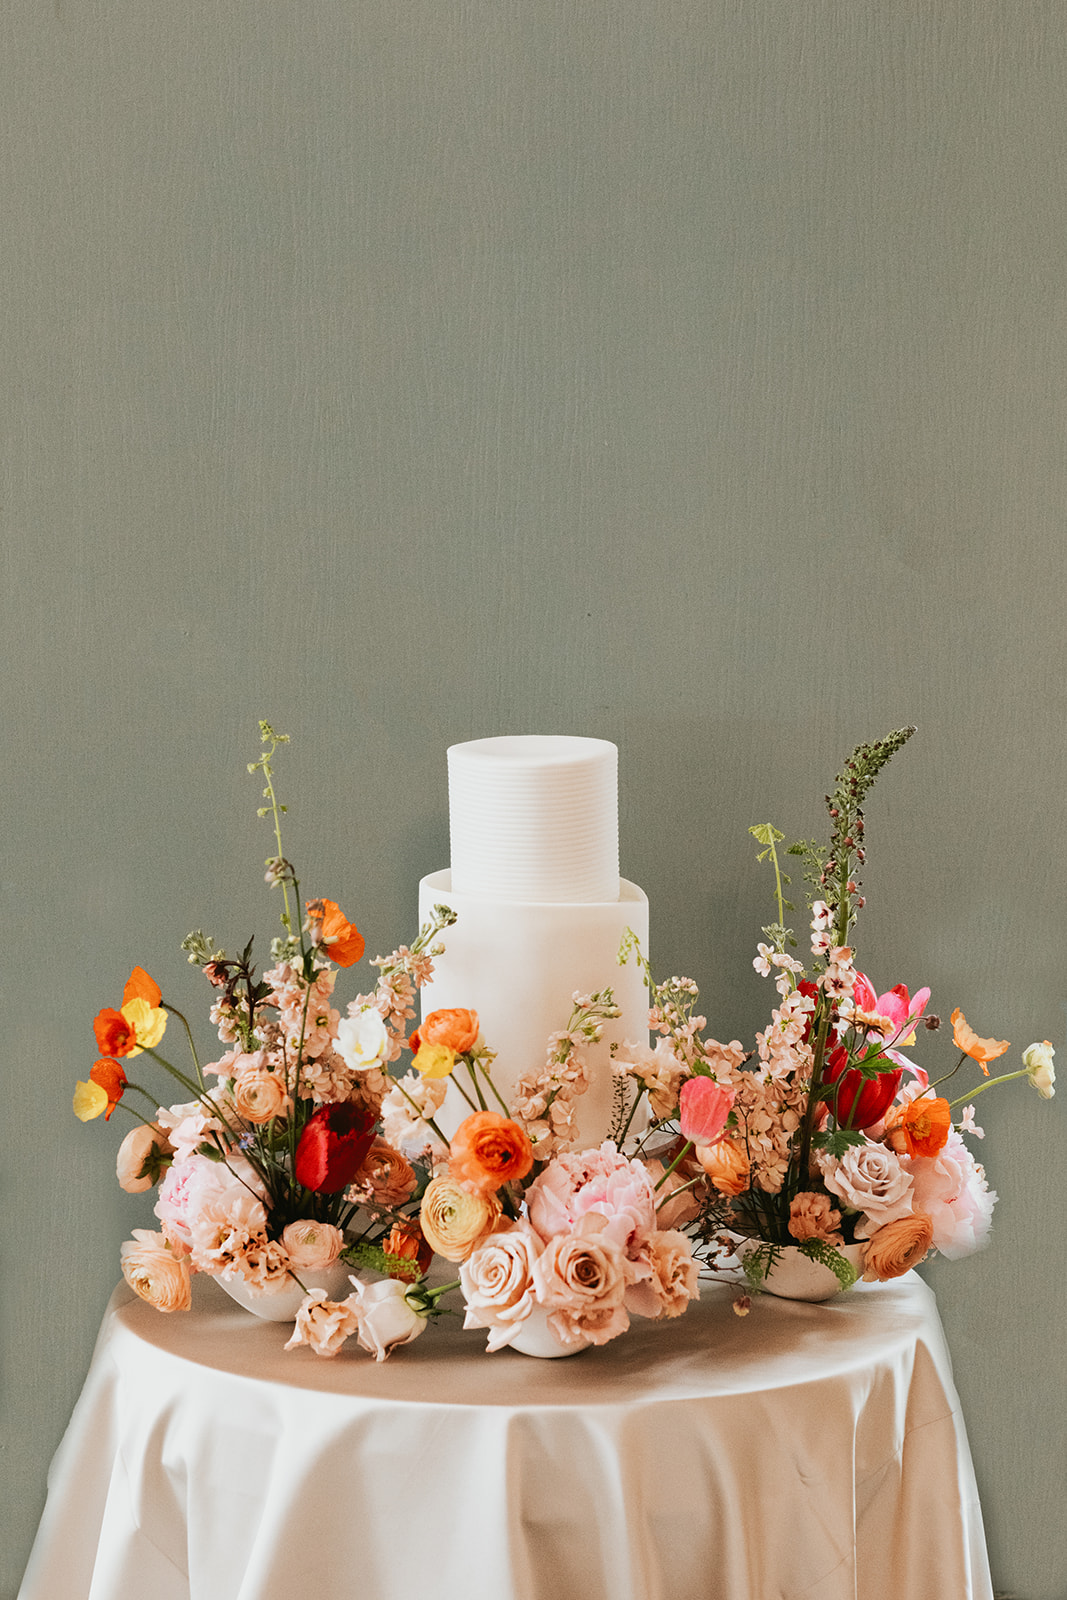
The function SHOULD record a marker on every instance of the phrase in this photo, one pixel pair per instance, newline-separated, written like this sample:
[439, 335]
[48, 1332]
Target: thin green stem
[173, 1011]
[683, 1152]
[972, 1094]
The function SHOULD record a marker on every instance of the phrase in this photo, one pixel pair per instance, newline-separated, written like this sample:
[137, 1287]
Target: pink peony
[195, 1182]
[600, 1182]
[497, 1281]
[951, 1188]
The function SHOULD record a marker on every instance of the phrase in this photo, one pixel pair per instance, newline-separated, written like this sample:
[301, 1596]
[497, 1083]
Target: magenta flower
[900, 1013]
[705, 1106]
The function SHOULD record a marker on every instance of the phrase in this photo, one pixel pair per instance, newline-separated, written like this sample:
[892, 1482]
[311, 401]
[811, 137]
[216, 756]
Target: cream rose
[312, 1245]
[497, 1281]
[869, 1178]
[386, 1319]
[142, 1158]
[154, 1273]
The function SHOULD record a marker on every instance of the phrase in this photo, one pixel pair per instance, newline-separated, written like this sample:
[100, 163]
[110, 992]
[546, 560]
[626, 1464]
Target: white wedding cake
[541, 909]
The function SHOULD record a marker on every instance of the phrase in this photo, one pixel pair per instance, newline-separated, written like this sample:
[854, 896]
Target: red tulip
[858, 1102]
[333, 1146]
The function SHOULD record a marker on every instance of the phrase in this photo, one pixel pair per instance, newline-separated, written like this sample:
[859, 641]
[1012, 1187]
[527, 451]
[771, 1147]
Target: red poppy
[333, 1146]
[114, 1035]
[111, 1078]
[858, 1101]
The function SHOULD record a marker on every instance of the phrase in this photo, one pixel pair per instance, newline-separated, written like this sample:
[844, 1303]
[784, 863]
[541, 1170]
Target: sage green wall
[689, 373]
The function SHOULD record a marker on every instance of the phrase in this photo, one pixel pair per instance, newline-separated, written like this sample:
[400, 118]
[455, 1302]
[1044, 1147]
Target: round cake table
[804, 1452]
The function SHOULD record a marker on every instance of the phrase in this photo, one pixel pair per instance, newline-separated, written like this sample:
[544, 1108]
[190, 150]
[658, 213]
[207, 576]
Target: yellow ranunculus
[434, 1060]
[148, 1023]
[90, 1101]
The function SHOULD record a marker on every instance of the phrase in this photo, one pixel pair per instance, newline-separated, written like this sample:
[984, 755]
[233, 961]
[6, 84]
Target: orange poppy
[343, 941]
[139, 986]
[920, 1127]
[980, 1050]
[111, 1078]
[115, 1034]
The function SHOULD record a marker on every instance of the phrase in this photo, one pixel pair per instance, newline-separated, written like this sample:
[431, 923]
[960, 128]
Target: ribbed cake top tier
[535, 818]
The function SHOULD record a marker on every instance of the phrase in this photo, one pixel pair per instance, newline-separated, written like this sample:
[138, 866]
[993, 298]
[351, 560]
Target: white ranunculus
[362, 1040]
[1037, 1059]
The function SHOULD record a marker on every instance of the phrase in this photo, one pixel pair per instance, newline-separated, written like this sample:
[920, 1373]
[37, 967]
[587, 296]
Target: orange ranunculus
[111, 1078]
[115, 1034]
[980, 1050]
[897, 1246]
[489, 1150]
[406, 1241]
[457, 1029]
[342, 940]
[455, 1219]
[920, 1127]
[139, 986]
[726, 1164]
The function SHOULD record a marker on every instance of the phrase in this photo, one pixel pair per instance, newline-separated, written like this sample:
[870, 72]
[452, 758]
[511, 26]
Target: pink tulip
[705, 1106]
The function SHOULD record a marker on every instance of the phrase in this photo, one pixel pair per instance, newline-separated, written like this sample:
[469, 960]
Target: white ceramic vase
[283, 1303]
[536, 1338]
[795, 1276]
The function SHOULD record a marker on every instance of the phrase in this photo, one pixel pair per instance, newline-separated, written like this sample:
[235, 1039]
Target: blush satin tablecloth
[804, 1452]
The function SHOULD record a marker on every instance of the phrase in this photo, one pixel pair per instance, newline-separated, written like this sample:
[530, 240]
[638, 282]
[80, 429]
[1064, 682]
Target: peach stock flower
[456, 1029]
[896, 1248]
[341, 939]
[489, 1150]
[981, 1050]
[455, 1219]
[154, 1273]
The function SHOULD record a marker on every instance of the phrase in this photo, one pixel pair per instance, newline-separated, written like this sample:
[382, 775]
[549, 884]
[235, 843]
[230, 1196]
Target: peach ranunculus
[919, 1127]
[457, 1029]
[726, 1164]
[341, 939]
[581, 1279]
[405, 1242]
[981, 1050]
[672, 1282]
[386, 1177]
[497, 1281]
[323, 1324]
[489, 1150]
[897, 1247]
[259, 1095]
[312, 1245]
[455, 1219]
[154, 1273]
[143, 1157]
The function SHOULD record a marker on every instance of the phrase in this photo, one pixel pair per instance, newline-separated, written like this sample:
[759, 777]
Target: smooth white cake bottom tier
[519, 964]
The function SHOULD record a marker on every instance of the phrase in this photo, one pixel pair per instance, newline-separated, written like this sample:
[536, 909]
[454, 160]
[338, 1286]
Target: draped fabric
[804, 1452]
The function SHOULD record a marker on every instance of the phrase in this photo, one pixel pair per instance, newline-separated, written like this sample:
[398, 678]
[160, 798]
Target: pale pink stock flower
[386, 1319]
[155, 1273]
[323, 1324]
[968, 1125]
[497, 1281]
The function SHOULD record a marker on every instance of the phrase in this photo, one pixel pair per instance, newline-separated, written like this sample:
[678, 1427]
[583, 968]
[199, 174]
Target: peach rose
[898, 1247]
[581, 1279]
[259, 1095]
[154, 1274]
[457, 1030]
[726, 1164]
[455, 1219]
[143, 1157]
[312, 1245]
[497, 1281]
[489, 1150]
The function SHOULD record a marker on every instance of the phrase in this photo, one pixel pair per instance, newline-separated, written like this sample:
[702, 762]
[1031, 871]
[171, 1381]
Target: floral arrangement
[301, 1155]
[834, 1136]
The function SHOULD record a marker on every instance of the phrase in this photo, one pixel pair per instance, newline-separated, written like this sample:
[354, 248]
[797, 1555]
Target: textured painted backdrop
[689, 374]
